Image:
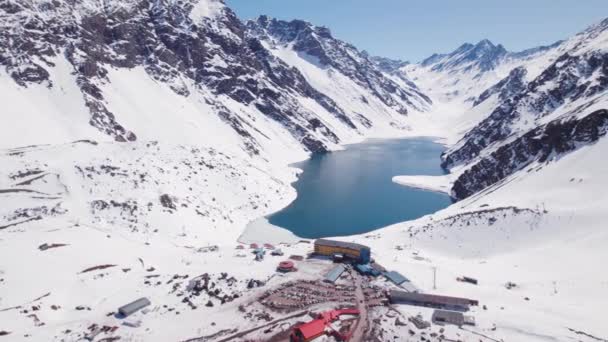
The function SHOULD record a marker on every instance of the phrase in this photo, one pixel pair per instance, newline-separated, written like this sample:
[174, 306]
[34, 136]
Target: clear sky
[412, 30]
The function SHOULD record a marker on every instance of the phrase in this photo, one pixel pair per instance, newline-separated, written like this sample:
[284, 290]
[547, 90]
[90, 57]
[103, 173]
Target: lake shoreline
[327, 194]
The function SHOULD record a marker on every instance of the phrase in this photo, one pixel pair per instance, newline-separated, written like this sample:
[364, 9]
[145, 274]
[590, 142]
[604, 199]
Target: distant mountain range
[550, 102]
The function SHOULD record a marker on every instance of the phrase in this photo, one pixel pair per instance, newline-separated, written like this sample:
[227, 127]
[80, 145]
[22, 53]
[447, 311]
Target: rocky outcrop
[544, 143]
[485, 55]
[317, 44]
[537, 119]
[568, 79]
[189, 48]
[388, 65]
[507, 87]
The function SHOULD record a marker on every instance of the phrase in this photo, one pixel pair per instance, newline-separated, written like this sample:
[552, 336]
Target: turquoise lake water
[351, 192]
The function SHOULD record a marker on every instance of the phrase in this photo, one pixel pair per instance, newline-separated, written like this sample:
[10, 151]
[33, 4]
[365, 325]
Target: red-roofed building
[308, 331]
[286, 266]
[254, 246]
[316, 328]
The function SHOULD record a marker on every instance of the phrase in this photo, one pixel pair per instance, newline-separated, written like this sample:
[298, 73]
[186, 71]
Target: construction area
[333, 294]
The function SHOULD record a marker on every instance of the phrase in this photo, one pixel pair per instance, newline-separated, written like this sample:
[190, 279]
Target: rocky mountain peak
[484, 55]
[288, 31]
[317, 45]
[596, 29]
[486, 44]
[389, 65]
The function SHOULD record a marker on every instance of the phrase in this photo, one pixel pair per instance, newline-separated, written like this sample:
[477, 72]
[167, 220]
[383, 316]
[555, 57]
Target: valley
[143, 144]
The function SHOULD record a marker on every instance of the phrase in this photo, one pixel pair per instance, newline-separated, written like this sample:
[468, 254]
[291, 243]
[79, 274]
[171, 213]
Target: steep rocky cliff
[317, 44]
[556, 112]
[193, 47]
[542, 144]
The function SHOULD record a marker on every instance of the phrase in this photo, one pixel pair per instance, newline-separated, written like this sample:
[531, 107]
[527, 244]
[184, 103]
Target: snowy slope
[541, 229]
[139, 139]
[142, 137]
[526, 162]
[468, 83]
[471, 68]
[555, 113]
[197, 50]
[367, 93]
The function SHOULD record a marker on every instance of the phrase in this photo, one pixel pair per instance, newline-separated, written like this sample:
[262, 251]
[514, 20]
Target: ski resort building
[322, 325]
[409, 287]
[366, 269]
[309, 331]
[429, 300]
[395, 277]
[359, 253]
[401, 281]
[452, 317]
[334, 274]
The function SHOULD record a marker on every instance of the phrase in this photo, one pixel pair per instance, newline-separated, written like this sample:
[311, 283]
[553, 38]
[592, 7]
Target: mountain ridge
[142, 138]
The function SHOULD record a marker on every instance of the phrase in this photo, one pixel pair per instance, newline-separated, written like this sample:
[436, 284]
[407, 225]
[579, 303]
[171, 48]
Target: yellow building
[360, 253]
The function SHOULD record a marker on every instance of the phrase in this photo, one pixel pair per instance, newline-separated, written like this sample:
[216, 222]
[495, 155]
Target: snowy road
[363, 322]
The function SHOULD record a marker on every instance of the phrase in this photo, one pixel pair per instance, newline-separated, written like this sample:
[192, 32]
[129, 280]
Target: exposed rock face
[541, 144]
[552, 114]
[481, 57]
[507, 87]
[484, 54]
[569, 79]
[318, 45]
[463, 74]
[388, 64]
[192, 46]
[526, 54]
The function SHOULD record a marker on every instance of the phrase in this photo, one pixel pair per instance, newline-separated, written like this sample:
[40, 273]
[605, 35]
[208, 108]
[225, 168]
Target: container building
[133, 307]
[452, 317]
[334, 274]
[429, 300]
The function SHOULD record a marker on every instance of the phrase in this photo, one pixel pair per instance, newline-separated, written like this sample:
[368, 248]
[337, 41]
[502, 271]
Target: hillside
[526, 169]
[142, 137]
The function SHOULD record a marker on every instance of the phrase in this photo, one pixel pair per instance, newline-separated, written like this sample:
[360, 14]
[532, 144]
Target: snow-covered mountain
[526, 136]
[541, 95]
[483, 56]
[351, 76]
[559, 110]
[388, 64]
[198, 50]
[140, 137]
[180, 77]
[458, 76]
[184, 79]
[135, 127]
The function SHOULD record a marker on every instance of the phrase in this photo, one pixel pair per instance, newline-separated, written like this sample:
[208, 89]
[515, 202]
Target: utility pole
[434, 278]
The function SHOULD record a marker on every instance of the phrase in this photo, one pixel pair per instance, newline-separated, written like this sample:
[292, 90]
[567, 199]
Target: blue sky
[412, 30]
